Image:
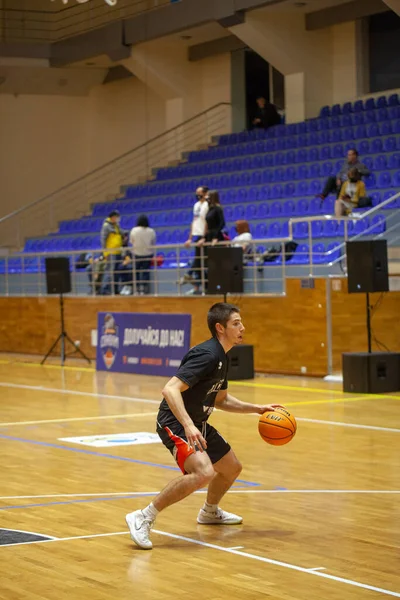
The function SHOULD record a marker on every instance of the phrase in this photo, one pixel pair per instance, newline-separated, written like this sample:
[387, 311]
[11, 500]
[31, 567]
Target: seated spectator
[334, 184]
[243, 238]
[142, 238]
[352, 195]
[266, 114]
[94, 266]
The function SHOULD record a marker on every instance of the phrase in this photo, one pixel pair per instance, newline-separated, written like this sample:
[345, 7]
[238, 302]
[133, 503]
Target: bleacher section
[265, 177]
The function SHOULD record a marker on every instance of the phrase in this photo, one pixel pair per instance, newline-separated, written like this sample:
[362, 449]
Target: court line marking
[40, 388]
[127, 496]
[236, 548]
[104, 455]
[318, 569]
[229, 551]
[273, 386]
[147, 401]
[69, 420]
[279, 563]
[353, 425]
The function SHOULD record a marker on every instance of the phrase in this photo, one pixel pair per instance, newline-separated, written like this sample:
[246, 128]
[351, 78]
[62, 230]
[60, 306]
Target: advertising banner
[142, 343]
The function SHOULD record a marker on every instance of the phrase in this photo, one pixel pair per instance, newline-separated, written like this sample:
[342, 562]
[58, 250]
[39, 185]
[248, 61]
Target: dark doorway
[257, 81]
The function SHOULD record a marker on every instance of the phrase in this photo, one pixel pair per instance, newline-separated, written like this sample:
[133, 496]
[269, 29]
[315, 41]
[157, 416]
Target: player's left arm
[227, 402]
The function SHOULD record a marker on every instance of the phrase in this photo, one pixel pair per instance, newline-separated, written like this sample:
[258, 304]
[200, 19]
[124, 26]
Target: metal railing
[165, 273]
[74, 199]
[60, 22]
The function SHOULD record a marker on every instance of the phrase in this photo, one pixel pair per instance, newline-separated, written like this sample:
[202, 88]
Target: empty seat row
[360, 105]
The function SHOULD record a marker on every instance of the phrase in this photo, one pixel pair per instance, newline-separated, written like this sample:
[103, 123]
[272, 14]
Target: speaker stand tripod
[369, 331]
[63, 338]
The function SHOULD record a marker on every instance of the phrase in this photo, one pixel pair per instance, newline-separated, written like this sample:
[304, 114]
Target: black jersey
[204, 369]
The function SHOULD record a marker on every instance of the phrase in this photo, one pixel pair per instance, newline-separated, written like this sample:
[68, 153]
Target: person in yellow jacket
[111, 243]
[353, 194]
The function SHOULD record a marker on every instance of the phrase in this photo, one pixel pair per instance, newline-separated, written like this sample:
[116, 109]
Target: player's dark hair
[220, 313]
[142, 221]
[354, 150]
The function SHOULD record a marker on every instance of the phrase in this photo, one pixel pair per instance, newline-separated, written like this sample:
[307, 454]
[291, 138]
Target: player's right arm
[172, 393]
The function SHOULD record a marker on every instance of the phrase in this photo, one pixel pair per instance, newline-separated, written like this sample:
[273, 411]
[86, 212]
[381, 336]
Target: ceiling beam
[351, 11]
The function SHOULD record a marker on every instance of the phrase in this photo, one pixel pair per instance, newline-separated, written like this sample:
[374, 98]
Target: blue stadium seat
[330, 228]
[390, 144]
[373, 130]
[251, 212]
[302, 255]
[318, 254]
[381, 102]
[361, 226]
[347, 108]
[358, 106]
[263, 210]
[317, 229]
[369, 104]
[384, 180]
[253, 194]
[302, 208]
[301, 156]
[376, 146]
[383, 114]
[302, 172]
[378, 224]
[393, 100]
[338, 151]
[274, 230]
[275, 210]
[315, 170]
[325, 137]
[289, 190]
[261, 231]
[288, 208]
[325, 153]
[394, 161]
[302, 188]
[325, 112]
[380, 163]
[315, 206]
[336, 110]
[300, 230]
[276, 191]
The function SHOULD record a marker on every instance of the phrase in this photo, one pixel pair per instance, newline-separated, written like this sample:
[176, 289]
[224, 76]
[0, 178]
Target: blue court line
[104, 455]
[74, 501]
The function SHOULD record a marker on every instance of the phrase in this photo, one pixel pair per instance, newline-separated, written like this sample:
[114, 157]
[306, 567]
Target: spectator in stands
[197, 233]
[124, 269]
[111, 242]
[266, 114]
[142, 238]
[243, 239]
[215, 220]
[352, 195]
[334, 184]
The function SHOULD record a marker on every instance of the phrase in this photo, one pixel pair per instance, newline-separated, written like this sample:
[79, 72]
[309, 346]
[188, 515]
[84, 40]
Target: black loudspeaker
[225, 270]
[58, 277]
[367, 267]
[241, 362]
[371, 372]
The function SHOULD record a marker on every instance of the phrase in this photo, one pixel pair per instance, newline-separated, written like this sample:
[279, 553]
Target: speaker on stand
[369, 372]
[58, 281]
[225, 270]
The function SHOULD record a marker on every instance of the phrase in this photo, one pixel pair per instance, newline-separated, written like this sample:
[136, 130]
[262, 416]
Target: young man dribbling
[202, 454]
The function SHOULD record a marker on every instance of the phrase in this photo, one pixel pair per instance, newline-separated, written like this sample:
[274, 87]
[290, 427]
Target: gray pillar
[238, 91]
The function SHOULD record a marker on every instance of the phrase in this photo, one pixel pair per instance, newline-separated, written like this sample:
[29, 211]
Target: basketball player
[202, 454]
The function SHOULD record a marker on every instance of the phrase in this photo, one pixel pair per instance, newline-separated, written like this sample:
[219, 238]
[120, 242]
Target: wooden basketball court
[321, 515]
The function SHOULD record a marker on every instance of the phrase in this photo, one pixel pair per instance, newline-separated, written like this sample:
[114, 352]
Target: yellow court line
[293, 388]
[307, 389]
[333, 401]
[124, 416]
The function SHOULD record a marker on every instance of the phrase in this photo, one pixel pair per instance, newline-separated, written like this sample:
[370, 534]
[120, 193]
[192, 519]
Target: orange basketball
[277, 427]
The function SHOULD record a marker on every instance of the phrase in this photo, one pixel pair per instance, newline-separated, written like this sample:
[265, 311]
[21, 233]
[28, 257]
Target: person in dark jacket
[266, 114]
[333, 185]
[215, 219]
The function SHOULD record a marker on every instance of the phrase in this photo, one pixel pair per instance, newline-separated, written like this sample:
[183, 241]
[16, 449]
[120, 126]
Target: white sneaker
[221, 517]
[140, 528]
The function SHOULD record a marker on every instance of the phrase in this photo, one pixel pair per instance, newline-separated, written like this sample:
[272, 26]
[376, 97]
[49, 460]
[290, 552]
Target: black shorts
[173, 437]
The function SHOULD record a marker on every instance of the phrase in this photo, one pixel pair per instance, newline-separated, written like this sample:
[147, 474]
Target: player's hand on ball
[194, 438]
[269, 407]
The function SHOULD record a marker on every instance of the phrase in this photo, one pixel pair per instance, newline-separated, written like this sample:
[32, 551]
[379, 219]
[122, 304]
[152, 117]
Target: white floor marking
[39, 388]
[236, 548]
[249, 491]
[279, 563]
[353, 425]
[317, 569]
[123, 416]
[229, 551]
[146, 401]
